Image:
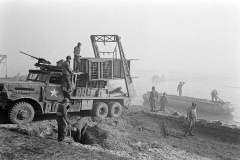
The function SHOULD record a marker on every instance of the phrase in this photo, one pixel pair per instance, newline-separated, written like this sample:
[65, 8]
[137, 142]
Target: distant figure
[62, 119]
[179, 88]
[77, 56]
[214, 96]
[153, 99]
[163, 102]
[191, 119]
[66, 73]
[79, 129]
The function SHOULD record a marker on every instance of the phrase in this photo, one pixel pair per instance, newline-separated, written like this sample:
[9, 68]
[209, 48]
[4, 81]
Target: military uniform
[191, 118]
[76, 58]
[179, 89]
[66, 73]
[163, 102]
[80, 129]
[214, 95]
[153, 99]
[62, 121]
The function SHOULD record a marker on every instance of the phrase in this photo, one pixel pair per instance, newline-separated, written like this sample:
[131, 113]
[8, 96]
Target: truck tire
[100, 110]
[114, 109]
[20, 113]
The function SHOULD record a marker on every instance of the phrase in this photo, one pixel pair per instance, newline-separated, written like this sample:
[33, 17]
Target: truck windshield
[37, 77]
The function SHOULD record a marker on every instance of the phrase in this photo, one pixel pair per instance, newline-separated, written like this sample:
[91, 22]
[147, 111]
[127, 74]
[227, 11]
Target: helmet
[79, 43]
[194, 104]
[69, 57]
[164, 93]
[153, 87]
[65, 100]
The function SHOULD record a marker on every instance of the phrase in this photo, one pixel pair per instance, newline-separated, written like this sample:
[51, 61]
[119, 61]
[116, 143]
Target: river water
[197, 84]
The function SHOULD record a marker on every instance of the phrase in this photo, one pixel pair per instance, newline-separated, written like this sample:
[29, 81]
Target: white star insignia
[54, 93]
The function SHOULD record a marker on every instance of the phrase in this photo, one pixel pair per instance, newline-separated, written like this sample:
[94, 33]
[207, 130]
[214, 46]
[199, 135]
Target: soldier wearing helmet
[191, 119]
[78, 129]
[214, 95]
[77, 56]
[153, 99]
[163, 102]
[66, 73]
[62, 119]
[179, 88]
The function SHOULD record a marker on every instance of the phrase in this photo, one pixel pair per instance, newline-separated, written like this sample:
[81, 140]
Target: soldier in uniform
[153, 99]
[191, 119]
[79, 129]
[214, 96]
[62, 119]
[76, 52]
[163, 102]
[179, 88]
[66, 73]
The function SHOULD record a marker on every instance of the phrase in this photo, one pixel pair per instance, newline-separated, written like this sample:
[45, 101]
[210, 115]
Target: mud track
[137, 134]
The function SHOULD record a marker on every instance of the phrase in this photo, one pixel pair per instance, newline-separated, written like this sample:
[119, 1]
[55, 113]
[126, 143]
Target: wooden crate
[102, 68]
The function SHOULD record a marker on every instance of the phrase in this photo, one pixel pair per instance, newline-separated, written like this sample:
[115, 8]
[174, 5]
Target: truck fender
[35, 104]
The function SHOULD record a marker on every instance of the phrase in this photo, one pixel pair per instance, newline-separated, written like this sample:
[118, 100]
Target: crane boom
[126, 71]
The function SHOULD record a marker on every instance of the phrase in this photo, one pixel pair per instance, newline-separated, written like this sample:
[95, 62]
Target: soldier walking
[62, 119]
[153, 99]
[66, 73]
[77, 56]
[163, 102]
[191, 119]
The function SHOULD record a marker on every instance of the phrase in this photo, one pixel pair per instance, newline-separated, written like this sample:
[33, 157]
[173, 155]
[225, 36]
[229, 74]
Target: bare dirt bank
[136, 134]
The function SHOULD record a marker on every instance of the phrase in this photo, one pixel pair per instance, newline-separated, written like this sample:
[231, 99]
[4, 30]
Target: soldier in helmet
[179, 88]
[62, 119]
[79, 129]
[153, 99]
[191, 119]
[66, 73]
[163, 102]
[214, 95]
[77, 56]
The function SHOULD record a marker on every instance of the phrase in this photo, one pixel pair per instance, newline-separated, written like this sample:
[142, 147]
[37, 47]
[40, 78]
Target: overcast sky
[172, 35]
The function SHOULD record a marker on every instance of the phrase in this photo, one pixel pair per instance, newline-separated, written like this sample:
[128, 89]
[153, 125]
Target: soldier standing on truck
[62, 119]
[77, 56]
[66, 73]
[153, 99]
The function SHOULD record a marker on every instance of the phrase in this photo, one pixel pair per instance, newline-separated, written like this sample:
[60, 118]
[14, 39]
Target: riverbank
[137, 134]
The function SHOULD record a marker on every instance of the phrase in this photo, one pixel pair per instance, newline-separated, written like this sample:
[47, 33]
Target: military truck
[42, 91]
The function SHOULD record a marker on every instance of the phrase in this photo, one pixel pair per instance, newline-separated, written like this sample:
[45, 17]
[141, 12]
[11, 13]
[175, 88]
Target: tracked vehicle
[42, 91]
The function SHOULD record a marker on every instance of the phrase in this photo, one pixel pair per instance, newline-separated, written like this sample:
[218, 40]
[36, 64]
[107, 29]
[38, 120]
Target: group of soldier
[78, 129]
[66, 70]
[191, 112]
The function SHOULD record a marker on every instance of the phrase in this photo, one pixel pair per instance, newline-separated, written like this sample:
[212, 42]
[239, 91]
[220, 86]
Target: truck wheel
[114, 109]
[21, 113]
[100, 110]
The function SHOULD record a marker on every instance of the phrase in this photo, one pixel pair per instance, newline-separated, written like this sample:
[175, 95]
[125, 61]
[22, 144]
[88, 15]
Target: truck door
[53, 89]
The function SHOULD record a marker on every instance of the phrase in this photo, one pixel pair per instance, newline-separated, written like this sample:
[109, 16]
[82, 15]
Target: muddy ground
[137, 134]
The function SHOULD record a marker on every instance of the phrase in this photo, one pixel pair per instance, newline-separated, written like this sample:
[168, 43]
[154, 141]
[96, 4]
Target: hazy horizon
[166, 35]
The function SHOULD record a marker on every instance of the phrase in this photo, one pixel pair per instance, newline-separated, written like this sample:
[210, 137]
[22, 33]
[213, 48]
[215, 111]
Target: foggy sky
[170, 35]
